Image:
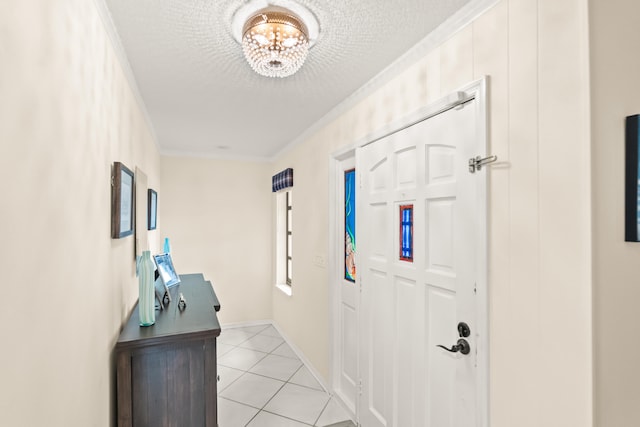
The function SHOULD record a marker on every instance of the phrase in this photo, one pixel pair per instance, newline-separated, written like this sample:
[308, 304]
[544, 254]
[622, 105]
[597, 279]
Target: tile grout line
[266, 403]
[315, 423]
[284, 416]
[280, 389]
[231, 383]
[276, 379]
[285, 382]
[244, 372]
[247, 371]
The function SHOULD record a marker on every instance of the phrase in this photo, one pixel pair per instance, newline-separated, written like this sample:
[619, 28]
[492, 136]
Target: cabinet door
[168, 385]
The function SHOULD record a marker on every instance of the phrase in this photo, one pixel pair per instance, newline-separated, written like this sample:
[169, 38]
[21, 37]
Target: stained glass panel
[350, 225]
[406, 233]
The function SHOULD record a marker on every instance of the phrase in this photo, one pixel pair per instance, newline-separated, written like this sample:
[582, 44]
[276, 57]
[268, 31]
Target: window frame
[288, 238]
[283, 241]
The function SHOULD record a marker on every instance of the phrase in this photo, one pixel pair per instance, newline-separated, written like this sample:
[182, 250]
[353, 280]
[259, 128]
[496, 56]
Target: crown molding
[214, 156]
[112, 33]
[463, 17]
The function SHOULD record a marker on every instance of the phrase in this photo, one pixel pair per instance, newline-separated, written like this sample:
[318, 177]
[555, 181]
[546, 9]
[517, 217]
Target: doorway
[421, 295]
[345, 300]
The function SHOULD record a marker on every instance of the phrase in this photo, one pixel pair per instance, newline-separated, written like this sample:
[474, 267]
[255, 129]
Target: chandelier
[275, 40]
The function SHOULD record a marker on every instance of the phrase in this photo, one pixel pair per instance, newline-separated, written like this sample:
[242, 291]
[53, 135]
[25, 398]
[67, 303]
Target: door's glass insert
[406, 233]
[350, 225]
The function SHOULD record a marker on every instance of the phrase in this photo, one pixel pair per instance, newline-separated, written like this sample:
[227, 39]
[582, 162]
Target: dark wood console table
[166, 373]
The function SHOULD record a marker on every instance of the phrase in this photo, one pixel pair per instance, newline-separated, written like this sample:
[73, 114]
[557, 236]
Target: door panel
[409, 298]
[406, 168]
[378, 370]
[441, 313]
[439, 162]
[410, 306]
[439, 236]
[349, 351]
[378, 241]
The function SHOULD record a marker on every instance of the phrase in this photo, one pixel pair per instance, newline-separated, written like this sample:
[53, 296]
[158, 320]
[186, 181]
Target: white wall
[536, 54]
[217, 215]
[66, 114]
[615, 86]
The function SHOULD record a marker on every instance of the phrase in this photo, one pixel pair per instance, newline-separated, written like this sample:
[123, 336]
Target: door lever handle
[461, 346]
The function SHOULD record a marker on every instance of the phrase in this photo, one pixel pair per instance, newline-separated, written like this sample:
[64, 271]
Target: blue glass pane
[350, 225]
[406, 233]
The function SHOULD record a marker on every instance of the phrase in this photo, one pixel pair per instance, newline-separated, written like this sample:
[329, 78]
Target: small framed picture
[122, 199]
[632, 179]
[152, 209]
[166, 270]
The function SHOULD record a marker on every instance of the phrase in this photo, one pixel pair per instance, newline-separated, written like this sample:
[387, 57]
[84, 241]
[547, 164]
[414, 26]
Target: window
[284, 240]
[289, 236]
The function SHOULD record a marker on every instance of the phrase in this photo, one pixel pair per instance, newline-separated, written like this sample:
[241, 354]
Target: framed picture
[122, 199]
[166, 270]
[632, 179]
[152, 209]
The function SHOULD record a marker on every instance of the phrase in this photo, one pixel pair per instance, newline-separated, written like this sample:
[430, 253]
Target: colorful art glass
[350, 225]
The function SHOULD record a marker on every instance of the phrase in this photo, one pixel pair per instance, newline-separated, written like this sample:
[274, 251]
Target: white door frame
[336, 273]
[476, 90]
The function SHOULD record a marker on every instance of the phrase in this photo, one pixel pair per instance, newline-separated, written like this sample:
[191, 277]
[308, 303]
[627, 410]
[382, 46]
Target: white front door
[421, 237]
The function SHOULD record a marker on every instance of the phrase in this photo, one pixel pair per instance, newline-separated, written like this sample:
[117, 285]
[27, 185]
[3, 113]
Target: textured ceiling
[203, 98]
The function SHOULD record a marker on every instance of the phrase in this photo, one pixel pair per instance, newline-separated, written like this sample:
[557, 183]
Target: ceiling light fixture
[275, 39]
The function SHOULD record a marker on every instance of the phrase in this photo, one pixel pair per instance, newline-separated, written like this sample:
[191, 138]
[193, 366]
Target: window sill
[285, 289]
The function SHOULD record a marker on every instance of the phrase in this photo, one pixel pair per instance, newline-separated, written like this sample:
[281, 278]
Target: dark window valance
[282, 180]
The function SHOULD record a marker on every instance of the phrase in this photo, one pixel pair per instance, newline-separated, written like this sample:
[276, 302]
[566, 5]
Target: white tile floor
[263, 383]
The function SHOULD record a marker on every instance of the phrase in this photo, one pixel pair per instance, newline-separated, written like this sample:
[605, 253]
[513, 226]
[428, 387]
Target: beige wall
[66, 114]
[217, 215]
[536, 55]
[615, 87]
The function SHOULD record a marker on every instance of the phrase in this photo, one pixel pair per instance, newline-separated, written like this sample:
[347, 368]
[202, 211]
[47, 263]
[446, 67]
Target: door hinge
[360, 180]
[476, 163]
[360, 284]
[360, 386]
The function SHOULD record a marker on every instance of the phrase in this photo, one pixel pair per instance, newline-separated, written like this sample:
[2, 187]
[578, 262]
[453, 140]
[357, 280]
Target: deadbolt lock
[463, 330]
